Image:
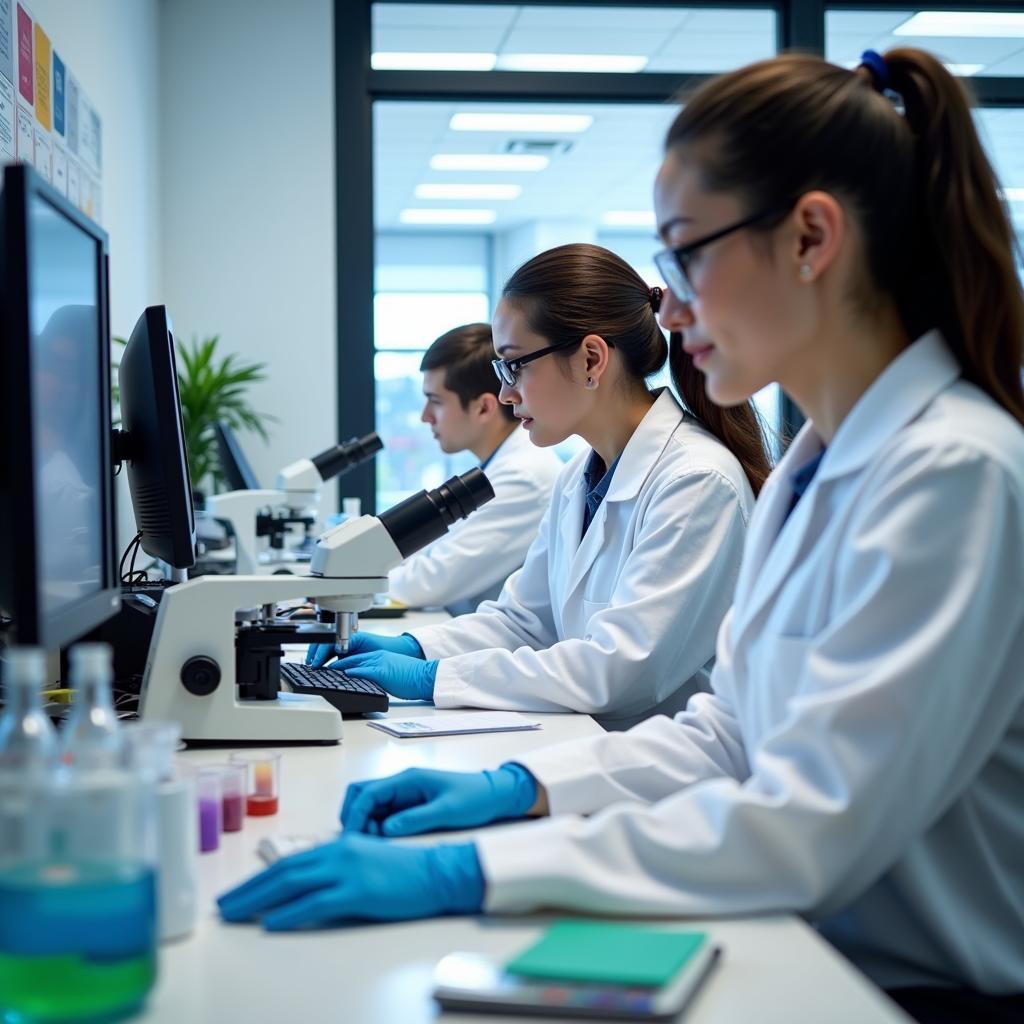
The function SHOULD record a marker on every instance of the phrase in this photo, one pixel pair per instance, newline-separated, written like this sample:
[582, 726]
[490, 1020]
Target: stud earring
[591, 383]
[806, 273]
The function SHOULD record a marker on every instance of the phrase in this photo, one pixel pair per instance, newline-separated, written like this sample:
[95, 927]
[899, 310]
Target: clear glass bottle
[92, 736]
[28, 749]
[28, 742]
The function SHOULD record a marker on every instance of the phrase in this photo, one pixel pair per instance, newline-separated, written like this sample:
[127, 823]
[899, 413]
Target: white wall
[247, 202]
[112, 48]
[514, 248]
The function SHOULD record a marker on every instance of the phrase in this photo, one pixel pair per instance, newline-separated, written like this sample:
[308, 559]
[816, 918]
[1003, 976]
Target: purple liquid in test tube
[209, 825]
[208, 790]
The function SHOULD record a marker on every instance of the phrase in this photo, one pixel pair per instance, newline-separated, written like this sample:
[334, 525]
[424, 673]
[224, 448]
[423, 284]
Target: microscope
[262, 520]
[214, 660]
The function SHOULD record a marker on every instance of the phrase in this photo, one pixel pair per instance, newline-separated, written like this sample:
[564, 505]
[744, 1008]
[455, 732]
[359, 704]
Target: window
[425, 285]
[1002, 132]
[473, 172]
[451, 231]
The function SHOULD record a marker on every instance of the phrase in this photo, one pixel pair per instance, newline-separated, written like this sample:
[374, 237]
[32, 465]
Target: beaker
[78, 914]
[263, 771]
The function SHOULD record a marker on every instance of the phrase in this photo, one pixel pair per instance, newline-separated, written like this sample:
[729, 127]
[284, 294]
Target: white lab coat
[471, 562]
[860, 758]
[621, 624]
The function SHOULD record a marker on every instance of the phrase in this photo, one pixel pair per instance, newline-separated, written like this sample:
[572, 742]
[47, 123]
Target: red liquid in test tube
[233, 812]
[263, 801]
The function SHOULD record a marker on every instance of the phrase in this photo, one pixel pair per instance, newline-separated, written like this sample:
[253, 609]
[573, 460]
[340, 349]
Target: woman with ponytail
[860, 757]
[616, 609]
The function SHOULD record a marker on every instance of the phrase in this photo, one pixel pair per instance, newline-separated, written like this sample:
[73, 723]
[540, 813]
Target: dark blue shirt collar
[598, 480]
[802, 478]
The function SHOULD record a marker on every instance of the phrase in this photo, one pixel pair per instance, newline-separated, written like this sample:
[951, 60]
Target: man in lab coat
[471, 562]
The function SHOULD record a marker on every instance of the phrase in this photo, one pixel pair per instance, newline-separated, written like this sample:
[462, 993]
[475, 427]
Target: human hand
[424, 800]
[319, 654]
[403, 677]
[359, 878]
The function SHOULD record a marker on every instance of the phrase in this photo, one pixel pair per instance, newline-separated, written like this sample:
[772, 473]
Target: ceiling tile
[465, 39]
[633, 40]
[583, 19]
[498, 16]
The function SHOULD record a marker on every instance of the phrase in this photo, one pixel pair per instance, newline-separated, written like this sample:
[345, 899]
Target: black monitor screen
[68, 453]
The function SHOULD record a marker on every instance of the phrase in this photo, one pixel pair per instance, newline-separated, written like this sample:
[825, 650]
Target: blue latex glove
[423, 800]
[403, 677]
[359, 878]
[319, 654]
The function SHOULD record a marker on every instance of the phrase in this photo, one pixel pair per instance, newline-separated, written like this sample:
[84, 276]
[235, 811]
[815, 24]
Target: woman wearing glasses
[860, 757]
[617, 606]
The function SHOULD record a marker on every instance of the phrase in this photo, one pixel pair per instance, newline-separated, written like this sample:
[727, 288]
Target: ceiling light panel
[559, 62]
[409, 61]
[418, 216]
[488, 162]
[502, 122]
[980, 24]
[628, 218]
[440, 191]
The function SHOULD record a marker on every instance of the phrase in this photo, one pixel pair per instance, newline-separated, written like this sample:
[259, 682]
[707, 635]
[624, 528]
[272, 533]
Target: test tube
[208, 790]
[263, 769]
[233, 789]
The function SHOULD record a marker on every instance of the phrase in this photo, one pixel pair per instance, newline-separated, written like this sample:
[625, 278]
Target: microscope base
[192, 674]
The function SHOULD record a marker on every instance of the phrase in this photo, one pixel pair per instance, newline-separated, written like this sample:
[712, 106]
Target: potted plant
[211, 388]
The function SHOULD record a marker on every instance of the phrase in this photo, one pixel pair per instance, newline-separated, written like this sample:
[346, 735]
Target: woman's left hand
[359, 878]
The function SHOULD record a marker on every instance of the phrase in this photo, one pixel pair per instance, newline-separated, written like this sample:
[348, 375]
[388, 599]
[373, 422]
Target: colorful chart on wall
[46, 117]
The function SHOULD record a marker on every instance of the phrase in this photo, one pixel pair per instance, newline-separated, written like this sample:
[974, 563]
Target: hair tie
[875, 63]
[655, 298]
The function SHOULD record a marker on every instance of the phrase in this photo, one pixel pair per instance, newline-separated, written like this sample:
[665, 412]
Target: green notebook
[618, 954]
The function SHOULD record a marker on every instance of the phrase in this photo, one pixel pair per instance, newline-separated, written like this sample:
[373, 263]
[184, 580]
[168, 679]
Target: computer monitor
[233, 464]
[58, 576]
[152, 442]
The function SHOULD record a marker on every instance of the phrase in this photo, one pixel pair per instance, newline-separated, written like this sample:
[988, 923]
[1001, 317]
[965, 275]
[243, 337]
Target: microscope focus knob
[200, 675]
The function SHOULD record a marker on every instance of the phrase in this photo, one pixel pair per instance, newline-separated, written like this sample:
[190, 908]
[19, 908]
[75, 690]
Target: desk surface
[774, 969]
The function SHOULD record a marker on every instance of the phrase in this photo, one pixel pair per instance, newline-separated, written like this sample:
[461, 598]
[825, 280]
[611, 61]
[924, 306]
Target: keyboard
[351, 696]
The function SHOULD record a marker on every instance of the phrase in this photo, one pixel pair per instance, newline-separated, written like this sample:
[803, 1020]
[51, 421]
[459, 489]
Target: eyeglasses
[508, 369]
[673, 264]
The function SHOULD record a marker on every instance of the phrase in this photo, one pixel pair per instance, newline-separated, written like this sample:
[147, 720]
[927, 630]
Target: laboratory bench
[773, 968]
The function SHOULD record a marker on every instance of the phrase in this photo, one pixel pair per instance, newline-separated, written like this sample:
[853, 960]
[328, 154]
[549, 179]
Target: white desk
[774, 969]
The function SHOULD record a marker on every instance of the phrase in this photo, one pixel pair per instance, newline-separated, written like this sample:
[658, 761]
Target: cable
[135, 540]
[132, 576]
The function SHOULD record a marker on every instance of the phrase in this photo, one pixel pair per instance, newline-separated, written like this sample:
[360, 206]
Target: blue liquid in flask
[77, 941]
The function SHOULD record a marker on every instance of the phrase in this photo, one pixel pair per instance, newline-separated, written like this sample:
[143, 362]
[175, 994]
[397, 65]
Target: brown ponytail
[571, 291]
[937, 237]
[965, 239]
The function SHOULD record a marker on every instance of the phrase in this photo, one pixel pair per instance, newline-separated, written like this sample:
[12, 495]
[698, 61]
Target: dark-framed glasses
[673, 264]
[508, 369]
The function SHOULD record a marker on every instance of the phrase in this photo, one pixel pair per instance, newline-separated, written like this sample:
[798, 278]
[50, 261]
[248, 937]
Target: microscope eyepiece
[342, 457]
[421, 519]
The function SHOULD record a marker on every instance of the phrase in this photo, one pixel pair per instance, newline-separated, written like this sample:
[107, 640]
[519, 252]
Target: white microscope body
[214, 659]
[260, 519]
[192, 673]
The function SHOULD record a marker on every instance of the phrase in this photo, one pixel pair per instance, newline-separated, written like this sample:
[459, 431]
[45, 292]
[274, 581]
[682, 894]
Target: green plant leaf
[215, 388]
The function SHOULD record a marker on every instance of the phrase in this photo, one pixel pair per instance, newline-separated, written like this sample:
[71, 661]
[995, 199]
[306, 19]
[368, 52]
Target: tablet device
[470, 982]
